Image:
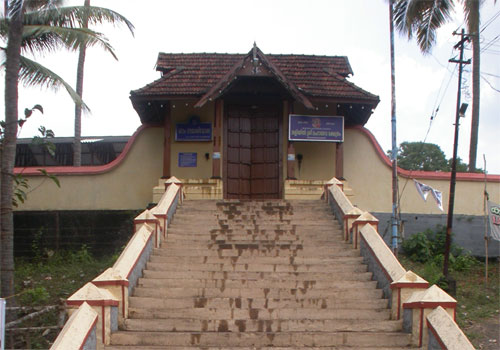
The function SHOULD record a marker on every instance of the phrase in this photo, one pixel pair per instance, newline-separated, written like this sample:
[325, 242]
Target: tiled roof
[194, 75]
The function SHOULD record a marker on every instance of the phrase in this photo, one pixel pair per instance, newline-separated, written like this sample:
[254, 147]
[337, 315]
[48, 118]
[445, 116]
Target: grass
[48, 280]
[477, 301]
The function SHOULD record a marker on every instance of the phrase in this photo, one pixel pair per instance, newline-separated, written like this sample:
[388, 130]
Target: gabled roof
[194, 75]
[255, 63]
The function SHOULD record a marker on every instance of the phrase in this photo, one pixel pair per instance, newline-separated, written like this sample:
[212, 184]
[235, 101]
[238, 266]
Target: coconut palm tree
[37, 26]
[77, 144]
[423, 18]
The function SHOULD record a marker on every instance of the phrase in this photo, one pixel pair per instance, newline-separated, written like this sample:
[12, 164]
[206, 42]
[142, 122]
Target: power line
[491, 86]
[495, 39]
[491, 74]
[488, 22]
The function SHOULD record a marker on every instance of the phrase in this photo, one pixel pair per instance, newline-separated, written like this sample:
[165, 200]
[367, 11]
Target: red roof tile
[195, 74]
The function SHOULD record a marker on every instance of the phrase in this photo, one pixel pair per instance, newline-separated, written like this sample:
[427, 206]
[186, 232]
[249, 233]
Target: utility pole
[459, 113]
[394, 152]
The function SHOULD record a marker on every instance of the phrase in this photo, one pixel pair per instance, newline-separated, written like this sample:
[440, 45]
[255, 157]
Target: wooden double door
[252, 162]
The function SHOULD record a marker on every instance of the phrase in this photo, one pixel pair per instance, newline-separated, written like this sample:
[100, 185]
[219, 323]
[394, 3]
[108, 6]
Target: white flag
[424, 191]
[494, 219]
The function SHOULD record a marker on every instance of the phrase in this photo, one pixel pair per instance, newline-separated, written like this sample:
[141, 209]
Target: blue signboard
[316, 128]
[193, 130]
[187, 159]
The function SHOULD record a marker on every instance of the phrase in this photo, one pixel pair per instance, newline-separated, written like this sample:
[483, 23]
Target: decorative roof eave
[222, 85]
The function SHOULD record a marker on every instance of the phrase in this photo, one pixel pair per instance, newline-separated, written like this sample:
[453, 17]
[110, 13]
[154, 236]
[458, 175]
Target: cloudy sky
[358, 29]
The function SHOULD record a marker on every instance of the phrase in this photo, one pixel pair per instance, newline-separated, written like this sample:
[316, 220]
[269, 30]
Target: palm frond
[34, 74]
[422, 19]
[35, 5]
[471, 13]
[15, 7]
[75, 16]
[40, 38]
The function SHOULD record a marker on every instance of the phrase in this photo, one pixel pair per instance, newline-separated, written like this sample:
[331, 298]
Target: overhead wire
[491, 20]
[432, 117]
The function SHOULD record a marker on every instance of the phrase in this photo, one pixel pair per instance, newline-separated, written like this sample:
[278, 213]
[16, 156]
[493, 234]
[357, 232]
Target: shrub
[428, 247]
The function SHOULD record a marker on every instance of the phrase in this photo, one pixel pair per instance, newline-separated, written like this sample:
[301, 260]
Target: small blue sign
[316, 128]
[193, 130]
[187, 159]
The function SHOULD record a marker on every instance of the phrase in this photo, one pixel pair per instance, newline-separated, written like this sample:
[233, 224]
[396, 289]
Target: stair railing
[428, 313]
[99, 307]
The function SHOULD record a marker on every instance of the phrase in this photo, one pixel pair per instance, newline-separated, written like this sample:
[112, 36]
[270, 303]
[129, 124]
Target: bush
[428, 247]
[418, 247]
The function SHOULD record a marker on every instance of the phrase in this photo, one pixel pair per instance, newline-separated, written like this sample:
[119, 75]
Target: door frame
[246, 104]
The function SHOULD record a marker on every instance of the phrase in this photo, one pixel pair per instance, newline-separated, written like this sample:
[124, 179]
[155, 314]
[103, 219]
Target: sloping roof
[195, 74]
[257, 63]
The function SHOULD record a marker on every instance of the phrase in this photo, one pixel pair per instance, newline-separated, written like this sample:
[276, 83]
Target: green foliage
[461, 166]
[35, 296]
[47, 279]
[428, 247]
[426, 157]
[421, 156]
[20, 188]
[418, 247]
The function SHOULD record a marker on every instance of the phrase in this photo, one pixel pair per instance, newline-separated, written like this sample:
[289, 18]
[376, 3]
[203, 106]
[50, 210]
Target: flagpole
[485, 224]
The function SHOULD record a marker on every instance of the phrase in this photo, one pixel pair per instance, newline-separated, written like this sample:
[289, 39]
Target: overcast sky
[358, 29]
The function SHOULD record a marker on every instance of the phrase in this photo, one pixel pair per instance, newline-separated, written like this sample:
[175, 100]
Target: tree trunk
[473, 25]
[12, 67]
[77, 143]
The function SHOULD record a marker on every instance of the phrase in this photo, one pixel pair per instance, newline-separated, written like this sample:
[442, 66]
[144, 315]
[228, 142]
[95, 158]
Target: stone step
[126, 347]
[185, 237]
[261, 339]
[241, 283]
[284, 314]
[284, 260]
[207, 223]
[340, 291]
[259, 325]
[319, 253]
[263, 244]
[203, 303]
[257, 216]
[347, 262]
[332, 235]
[255, 276]
[252, 267]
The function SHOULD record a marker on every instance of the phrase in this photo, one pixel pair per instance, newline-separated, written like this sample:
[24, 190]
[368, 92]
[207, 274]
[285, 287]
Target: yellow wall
[128, 186]
[318, 161]
[370, 178]
[181, 111]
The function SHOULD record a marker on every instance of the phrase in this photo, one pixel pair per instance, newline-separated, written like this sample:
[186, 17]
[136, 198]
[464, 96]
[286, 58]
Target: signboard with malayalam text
[193, 130]
[316, 128]
[187, 160]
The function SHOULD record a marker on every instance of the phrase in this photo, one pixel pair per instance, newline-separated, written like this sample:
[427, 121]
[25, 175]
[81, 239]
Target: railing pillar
[117, 285]
[362, 220]
[349, 218]
[419, 305]
[147, 217]
[106, 306]
[402, 289]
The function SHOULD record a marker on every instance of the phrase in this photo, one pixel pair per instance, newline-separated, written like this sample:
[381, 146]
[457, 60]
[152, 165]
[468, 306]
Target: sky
[358, 29]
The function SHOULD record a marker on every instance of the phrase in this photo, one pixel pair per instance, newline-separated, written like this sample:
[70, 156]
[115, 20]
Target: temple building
[260, 120]
[241, 126]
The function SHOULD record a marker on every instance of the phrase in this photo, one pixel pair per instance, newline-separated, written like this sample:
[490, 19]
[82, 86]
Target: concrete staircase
[257, 275]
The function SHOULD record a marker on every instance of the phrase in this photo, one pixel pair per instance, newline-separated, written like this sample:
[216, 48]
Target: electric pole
[394, 152]
[459, 113]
